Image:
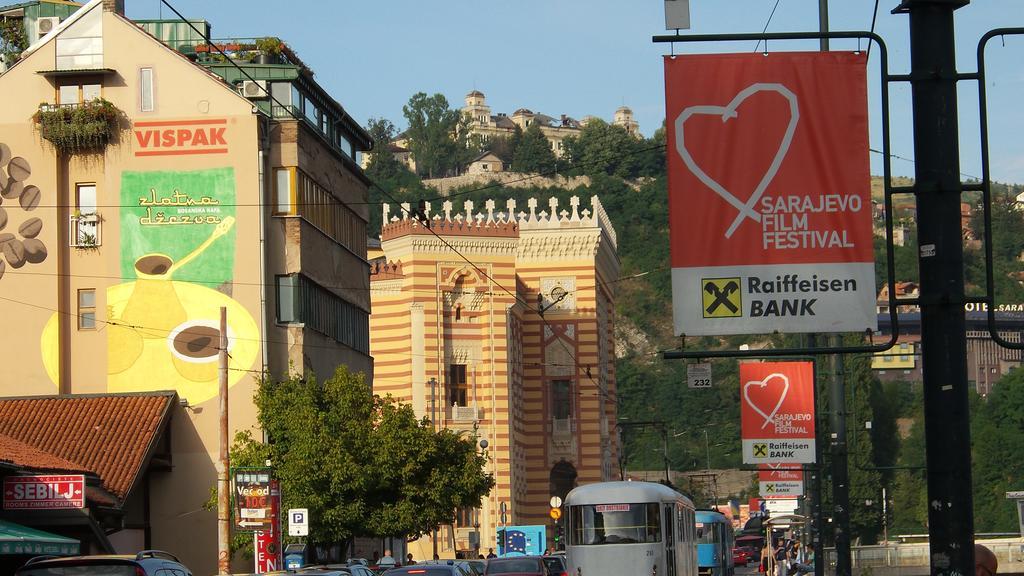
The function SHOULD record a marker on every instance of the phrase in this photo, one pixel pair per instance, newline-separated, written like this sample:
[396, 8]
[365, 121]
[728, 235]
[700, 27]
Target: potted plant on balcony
[270, 49]
[86, 127]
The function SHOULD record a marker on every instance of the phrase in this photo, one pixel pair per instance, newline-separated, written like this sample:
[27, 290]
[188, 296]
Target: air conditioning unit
[46, 25]
[253, 89]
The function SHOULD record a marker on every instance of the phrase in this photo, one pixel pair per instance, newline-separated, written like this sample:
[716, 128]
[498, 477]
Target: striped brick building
[465, 344]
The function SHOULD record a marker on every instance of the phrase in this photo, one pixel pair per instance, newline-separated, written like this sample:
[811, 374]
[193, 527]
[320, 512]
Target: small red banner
[53, 492]
[777, 412]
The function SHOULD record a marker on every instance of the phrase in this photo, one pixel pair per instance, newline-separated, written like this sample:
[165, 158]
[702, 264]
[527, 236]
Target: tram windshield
[615, 524]
[708, 533]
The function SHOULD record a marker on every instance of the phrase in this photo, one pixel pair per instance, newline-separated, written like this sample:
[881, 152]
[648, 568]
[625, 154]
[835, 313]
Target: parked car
[518, 566]
[145, 563]
[466, 565]
[740, 556]
[434, 568]
[479, 565]
[350, 569]
[556, 565]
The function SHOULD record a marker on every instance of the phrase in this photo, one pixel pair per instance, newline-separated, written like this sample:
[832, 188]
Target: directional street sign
[253, 500]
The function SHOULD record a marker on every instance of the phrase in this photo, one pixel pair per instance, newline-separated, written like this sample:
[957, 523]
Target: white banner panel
[785, 298]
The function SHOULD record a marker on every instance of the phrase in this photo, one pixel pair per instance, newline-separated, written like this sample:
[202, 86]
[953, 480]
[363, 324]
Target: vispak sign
[777, 412]
[53, 492]
[769, 193]
[180, 137]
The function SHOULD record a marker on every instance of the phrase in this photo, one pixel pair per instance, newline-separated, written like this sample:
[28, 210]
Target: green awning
[18, 539]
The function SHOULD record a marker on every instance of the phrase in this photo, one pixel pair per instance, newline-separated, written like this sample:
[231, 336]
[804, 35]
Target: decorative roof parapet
[555, 219]
[386, 270]
[406, 221]
[507, 223]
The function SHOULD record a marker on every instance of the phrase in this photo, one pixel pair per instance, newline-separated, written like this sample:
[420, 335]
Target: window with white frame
[87, 309]
[146, 89]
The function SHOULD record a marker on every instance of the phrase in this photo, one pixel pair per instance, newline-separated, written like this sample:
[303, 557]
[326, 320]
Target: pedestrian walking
[985, 562]
[781, 559]
[408, 559]
[386, 562]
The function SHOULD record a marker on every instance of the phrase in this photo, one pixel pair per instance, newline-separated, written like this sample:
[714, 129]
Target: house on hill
[486, 163]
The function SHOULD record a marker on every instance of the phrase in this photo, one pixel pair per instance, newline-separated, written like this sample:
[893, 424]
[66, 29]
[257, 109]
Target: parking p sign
[298, 522]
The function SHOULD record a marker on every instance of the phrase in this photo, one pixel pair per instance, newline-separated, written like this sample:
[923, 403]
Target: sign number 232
[698, 375]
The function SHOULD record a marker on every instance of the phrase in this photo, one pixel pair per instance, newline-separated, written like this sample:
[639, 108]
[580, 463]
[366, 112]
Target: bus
[714, 544]
[635, 528]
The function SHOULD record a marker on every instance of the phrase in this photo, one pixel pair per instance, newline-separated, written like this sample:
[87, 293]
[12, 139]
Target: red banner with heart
[777, 412]
[769, 193]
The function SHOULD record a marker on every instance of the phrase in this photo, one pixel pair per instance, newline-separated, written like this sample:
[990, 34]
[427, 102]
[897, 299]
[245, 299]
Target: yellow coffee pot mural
[164, 333]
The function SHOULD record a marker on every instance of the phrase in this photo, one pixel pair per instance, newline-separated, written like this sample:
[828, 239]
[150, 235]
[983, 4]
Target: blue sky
[588, 57]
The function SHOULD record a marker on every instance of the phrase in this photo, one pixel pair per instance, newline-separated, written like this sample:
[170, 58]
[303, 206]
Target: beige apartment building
[152, 188]
[515, 348]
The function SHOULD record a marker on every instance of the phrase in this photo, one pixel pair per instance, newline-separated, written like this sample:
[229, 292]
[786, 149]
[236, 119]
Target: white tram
[629, 528]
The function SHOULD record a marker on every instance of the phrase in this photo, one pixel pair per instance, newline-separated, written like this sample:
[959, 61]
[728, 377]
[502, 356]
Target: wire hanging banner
[771, 151]
[777, 412]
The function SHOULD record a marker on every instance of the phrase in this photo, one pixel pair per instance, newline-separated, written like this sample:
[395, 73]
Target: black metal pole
[817, 528]
[840, 467]
[823, 23]
[943, 339]
[664, 449]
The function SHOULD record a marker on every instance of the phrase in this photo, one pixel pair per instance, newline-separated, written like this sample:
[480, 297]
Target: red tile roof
[25, 456]
[111, 435]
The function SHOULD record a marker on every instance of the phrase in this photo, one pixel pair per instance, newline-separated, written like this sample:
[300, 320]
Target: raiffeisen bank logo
[721, 297]
[181, 137]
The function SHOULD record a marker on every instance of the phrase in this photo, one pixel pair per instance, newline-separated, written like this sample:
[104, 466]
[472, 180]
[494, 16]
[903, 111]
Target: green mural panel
[177, 259]
[179, 225]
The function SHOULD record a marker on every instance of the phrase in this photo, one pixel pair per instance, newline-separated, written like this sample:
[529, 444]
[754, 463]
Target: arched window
[562, 479]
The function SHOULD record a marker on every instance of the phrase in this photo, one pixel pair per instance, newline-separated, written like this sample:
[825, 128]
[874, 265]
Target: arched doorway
[562, 479]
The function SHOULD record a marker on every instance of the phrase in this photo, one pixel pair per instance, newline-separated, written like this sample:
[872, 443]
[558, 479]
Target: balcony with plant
[79, 128]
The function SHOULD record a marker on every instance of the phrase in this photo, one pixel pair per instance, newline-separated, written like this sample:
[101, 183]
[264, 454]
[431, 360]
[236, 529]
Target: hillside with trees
[628, 174]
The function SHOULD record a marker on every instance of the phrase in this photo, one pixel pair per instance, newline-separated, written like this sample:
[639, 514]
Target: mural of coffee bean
[15, 252]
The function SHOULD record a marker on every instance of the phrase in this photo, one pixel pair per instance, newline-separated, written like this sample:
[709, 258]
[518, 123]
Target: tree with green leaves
[363, 465]
[865, 480]
[1007, 247]
[393, 181]
[438, 135]
[13, 40]
[534, 153]
[504, 147]
[603, 148]
[998, 453]
[382, 164]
